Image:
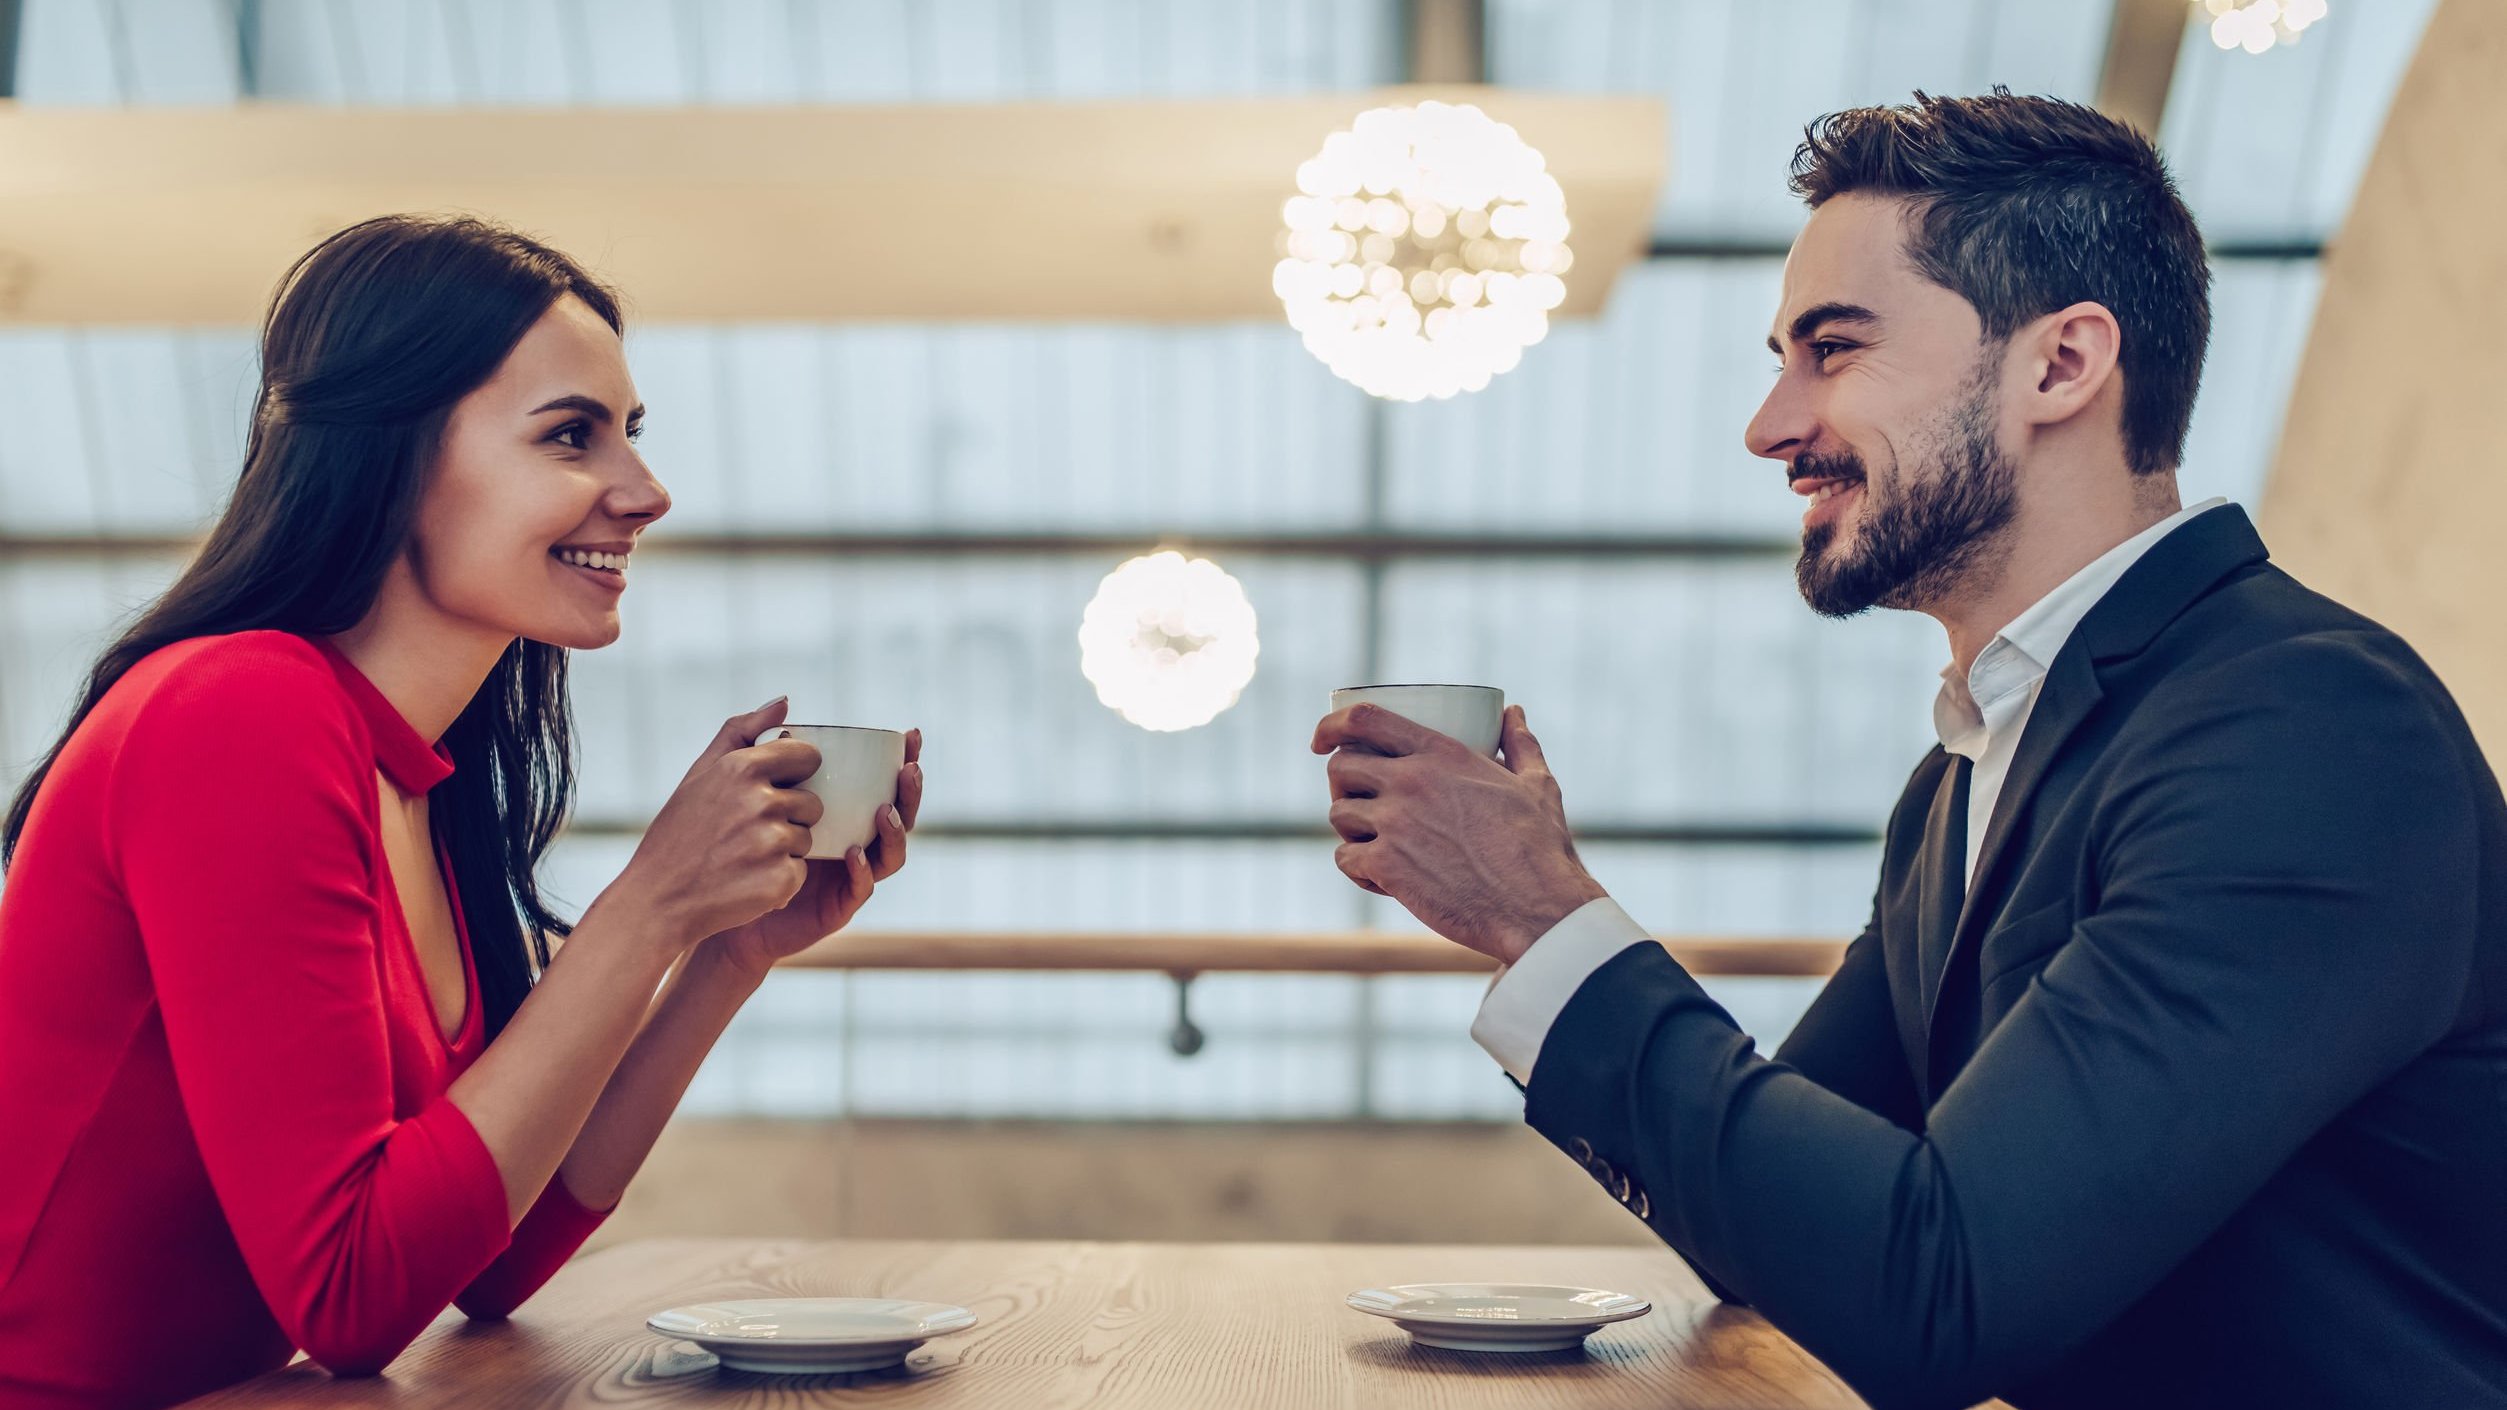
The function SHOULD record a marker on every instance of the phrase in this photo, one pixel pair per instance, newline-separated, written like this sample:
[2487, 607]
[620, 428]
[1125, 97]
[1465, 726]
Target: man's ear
[2068, 358]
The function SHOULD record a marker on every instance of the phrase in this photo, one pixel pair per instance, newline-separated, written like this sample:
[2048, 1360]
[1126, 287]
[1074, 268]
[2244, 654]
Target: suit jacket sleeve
[2288, 847]
[1848, 1040]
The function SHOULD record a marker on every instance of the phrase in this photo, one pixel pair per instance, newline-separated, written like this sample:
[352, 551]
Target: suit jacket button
[1644, 1208]
[1619, 1185]
[1581, 1150]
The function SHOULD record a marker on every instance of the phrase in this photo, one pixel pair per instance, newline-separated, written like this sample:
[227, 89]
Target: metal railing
[1183, 956]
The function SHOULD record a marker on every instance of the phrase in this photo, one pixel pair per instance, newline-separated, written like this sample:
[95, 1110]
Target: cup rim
[858, 729]
[1418, 685]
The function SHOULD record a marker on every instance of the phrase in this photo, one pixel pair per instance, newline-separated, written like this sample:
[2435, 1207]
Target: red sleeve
[547, 1236]
[238, 820]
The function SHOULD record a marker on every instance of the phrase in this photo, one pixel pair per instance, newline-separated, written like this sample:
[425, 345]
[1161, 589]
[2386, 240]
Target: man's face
[1886, 414]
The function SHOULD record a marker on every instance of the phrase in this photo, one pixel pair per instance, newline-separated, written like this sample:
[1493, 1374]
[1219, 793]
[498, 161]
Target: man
[2172, 1068]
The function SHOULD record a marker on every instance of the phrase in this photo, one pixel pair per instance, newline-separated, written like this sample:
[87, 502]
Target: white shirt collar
[1968, 713]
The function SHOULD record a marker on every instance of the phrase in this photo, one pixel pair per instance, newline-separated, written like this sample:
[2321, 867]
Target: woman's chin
[577, 635]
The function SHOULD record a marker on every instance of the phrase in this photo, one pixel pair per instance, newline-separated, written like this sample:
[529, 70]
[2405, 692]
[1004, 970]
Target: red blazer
[223, 1128]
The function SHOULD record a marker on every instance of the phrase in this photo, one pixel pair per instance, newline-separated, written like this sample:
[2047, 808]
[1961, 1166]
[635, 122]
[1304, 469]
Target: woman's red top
[223, 1128]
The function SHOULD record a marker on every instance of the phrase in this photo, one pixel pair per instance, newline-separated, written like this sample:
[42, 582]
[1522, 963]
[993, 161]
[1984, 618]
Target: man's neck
[2073, 524]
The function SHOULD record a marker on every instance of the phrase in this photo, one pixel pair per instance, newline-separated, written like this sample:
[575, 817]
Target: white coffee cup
[857, 776]
[1474, 714]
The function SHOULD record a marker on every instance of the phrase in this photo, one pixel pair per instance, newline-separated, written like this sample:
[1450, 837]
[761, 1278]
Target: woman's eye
[574, 435]
[635, 431]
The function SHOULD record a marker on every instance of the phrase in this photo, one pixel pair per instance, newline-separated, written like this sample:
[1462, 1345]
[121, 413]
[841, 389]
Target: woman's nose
[642, 497]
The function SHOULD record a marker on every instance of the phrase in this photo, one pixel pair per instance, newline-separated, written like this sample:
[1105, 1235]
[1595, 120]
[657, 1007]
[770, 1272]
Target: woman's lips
[607, 569]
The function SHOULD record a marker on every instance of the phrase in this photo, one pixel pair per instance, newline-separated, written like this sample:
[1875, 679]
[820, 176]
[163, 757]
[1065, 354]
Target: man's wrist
[1539, 919]
[1525, 1000]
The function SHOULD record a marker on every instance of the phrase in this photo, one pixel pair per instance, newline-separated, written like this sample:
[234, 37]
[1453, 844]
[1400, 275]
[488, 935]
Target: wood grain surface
[1169, 1326]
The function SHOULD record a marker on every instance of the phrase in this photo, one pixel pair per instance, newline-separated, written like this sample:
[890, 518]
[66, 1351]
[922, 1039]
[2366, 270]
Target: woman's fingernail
[769, 705]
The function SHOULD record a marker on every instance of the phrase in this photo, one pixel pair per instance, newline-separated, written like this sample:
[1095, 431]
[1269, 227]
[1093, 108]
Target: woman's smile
[603, 563]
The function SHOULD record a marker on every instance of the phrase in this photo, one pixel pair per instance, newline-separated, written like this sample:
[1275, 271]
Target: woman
[284, 1058]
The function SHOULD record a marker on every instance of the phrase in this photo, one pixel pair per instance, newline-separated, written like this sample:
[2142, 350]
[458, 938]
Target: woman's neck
[427, 664]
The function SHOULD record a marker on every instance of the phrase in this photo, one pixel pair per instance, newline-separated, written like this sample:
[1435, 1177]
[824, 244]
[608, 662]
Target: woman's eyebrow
[593, 407]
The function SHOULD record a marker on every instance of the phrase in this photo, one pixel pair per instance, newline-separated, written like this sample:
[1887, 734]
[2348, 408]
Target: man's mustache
[1825, 467]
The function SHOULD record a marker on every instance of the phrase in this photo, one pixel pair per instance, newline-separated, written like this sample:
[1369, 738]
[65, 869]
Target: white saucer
[1508, 1317]
[810, 1335]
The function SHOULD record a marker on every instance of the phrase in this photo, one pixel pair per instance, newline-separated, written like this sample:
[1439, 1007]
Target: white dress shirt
[1980, 718]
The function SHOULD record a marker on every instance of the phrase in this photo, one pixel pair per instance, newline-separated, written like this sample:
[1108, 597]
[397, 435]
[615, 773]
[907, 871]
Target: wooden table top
[1081, 1324]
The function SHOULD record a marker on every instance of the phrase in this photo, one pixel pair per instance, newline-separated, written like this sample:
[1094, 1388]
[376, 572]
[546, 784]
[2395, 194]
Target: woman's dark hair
[2027, 205]
[372, 338]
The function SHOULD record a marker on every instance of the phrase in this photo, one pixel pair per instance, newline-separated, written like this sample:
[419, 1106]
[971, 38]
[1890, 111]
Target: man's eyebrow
[593, 407]
[1817, 314]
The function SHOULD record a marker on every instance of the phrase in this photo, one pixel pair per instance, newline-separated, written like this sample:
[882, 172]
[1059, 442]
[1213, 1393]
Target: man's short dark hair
[2028, 205]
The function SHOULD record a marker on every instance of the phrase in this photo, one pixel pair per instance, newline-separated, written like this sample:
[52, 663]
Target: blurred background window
[916, 515]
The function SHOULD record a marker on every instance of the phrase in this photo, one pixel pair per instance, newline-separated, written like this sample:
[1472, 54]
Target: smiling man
[2172, 1066]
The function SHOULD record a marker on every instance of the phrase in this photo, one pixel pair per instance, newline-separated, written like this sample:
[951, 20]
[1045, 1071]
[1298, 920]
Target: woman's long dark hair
[374, 335]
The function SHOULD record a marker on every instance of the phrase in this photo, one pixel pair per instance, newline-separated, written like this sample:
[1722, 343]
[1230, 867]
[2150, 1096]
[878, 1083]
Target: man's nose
[1783, 426]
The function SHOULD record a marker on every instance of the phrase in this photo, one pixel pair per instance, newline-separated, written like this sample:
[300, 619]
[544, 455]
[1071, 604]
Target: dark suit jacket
[2211, 1105]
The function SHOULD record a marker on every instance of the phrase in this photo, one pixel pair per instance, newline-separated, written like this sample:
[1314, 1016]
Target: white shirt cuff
[1527, 997]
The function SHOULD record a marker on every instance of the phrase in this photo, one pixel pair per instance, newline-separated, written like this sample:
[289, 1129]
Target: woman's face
[537, 494]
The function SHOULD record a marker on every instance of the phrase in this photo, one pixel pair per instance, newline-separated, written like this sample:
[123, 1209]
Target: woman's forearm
[530, 1093]
[694, 1008]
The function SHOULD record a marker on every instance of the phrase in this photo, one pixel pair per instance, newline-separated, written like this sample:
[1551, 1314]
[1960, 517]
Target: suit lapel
[2171, 577]
[2067, 698]
[1941, 878]
[2064, 701]
[1903, 911]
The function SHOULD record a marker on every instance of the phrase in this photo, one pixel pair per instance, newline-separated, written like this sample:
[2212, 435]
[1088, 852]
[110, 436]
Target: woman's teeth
[612, 562]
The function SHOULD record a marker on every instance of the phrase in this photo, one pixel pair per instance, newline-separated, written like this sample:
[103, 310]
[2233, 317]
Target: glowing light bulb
[2257, 26]
[1169, 642]
[1456, 209]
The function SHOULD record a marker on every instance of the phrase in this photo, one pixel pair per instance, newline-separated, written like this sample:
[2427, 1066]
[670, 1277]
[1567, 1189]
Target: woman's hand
[729, 844]
[835, 888]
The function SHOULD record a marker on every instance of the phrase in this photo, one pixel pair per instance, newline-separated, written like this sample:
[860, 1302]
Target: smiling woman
[285, 1060]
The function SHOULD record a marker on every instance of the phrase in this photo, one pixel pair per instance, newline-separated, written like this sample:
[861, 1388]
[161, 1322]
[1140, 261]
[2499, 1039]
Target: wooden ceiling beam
[2142, 43]
[1147, 212]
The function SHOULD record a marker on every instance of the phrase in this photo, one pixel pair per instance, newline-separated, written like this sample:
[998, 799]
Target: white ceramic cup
[1474, 714]
[857, 776]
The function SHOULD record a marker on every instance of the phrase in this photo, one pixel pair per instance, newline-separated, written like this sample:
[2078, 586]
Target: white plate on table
[808, 1336]
[1506, 1317]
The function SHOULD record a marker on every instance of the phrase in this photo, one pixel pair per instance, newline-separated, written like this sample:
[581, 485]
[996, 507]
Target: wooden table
[1156, 1326]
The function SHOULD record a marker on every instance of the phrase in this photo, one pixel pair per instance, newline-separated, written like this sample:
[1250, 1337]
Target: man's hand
[1477, 849]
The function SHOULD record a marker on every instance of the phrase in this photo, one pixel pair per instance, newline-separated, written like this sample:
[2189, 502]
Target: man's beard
[1918, 544]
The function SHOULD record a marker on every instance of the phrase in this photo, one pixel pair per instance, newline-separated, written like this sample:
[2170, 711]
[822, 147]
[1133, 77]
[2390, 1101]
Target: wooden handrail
[1341, 952]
